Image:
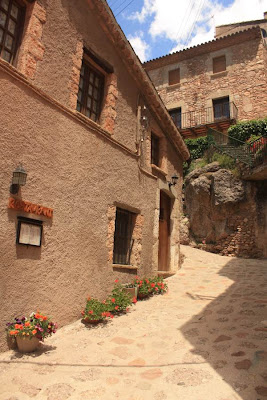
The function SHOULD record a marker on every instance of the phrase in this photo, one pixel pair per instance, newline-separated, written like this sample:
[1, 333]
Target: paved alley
[204, 340]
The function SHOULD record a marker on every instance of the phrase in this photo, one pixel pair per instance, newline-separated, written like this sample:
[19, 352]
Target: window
[219, 64]
[221, 108]
[123, 236]
[90, 93]
[11, 20]
[174, 76]
[155, 149]
[176, 115]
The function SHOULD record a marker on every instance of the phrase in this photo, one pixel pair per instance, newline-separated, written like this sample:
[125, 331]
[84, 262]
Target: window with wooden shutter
[123, 236]
[174, 76]
[176, 115]
[90, 92]
[221, 108]
[219, 64]
[11, 22]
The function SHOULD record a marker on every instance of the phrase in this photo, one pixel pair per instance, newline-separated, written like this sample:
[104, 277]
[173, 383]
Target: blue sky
[159, 27]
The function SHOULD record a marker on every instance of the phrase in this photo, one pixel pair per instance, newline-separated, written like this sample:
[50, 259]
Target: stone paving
[204, 340]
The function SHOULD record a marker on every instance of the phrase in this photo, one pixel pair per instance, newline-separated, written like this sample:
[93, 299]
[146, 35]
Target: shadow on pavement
[230, 333]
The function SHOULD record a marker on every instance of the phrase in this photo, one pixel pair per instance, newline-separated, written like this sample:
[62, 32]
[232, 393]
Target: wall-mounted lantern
[174, 180]
[18, 179]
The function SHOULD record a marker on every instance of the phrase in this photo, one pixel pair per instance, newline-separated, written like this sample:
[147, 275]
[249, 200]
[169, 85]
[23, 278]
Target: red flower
[127, 309]
[82, 312]
[111, 316]
[134, 300]
[116, 307]
[91, 312]
[156, 289]
[153, 285]
[113, 300]
[116, 280]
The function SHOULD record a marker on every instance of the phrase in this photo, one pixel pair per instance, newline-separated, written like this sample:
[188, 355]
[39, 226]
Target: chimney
[265, 15]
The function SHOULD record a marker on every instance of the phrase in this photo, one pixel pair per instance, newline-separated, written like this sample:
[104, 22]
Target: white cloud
[140, 46]
[193, 22]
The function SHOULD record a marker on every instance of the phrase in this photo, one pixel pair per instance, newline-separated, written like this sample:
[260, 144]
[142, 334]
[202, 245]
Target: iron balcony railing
[219, 112]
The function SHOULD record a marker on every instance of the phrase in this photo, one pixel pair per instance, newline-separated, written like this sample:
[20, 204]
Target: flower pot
[132, 291]
[143, 295]
[92, 321]
[26, 344]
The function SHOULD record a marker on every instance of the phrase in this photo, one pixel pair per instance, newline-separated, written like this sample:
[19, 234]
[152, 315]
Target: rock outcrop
[225, 214]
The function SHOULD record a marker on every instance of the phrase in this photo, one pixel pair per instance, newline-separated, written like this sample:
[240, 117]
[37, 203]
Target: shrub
[96, 310]
[242, 131]
[158, 286]
[224, 161]
[118, 301]
[197, 147]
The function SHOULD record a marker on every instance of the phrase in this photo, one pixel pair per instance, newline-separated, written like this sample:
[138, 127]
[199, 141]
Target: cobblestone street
[204, 340]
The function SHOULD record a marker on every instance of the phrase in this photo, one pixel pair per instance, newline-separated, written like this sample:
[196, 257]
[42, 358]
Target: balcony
[219, 117]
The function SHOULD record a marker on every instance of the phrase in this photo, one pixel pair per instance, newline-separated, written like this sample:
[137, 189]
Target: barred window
[90, 93]
[11, 22]
[123, 236]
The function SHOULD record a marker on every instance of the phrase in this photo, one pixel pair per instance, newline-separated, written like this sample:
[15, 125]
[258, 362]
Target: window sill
[124, 266]
[166, 273]
[156, 169]
[219, 75]
[173, 87]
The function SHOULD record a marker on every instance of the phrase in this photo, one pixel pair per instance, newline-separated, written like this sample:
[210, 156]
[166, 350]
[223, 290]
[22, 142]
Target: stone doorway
[164, 232]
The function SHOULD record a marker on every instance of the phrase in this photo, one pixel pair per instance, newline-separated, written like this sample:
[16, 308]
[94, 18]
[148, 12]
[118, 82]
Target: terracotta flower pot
[132, 291]
[143, 295]
[26, 344]
[92, 321]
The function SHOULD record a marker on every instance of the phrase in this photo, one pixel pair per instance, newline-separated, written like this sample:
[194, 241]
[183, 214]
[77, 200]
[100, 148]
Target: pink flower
[116, 307]
[91, 312]
[116, 280]
[113, 300]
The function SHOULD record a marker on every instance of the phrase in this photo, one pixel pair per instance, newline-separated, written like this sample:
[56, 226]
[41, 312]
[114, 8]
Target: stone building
[216, 83]
[102, 156]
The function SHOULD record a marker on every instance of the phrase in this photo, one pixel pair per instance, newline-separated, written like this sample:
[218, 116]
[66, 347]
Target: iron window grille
[123, 237]
[90, 92]
[176, 115]
[11, 22]
[155, 149]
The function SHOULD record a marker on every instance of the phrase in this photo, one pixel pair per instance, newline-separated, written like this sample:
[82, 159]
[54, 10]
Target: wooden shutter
[219, 64]
[174, 76]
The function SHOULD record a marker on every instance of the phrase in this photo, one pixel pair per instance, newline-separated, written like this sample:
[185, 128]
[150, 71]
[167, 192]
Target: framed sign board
[29, 232]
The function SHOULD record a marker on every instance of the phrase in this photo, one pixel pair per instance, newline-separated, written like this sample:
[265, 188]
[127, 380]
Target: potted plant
[119, 300]
[28, 332]
[144, 287]
[95, 311]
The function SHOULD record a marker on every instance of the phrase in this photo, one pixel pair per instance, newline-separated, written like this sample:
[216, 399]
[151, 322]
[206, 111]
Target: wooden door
[164, 232]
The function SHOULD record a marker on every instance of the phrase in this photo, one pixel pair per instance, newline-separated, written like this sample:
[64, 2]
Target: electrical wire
[125, 8]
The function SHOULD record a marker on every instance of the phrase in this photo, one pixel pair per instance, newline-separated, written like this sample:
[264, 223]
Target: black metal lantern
[18, 179]
[174, 180]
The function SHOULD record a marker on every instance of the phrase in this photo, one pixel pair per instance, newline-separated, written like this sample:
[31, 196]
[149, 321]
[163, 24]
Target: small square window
[11, 21]
[124, 224]
[219, 64]
[155, 149]
[174, 76]
[91, 89]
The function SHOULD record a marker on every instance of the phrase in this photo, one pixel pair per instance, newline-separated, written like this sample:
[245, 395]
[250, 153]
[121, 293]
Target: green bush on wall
[244, 130]
[197, 147]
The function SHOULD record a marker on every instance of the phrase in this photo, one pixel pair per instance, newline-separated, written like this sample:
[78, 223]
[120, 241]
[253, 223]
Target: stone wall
[225, 215]
[244, 80]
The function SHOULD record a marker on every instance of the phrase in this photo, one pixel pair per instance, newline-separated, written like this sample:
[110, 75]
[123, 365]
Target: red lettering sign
[26, 206]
